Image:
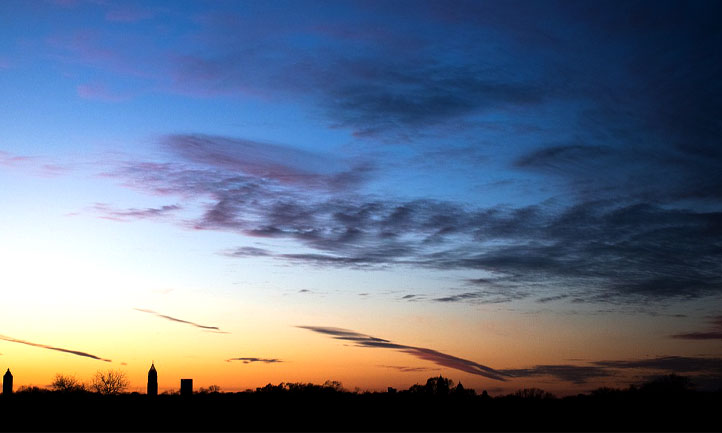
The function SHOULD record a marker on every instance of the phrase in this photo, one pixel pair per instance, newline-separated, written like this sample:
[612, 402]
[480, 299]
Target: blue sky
[451, 159]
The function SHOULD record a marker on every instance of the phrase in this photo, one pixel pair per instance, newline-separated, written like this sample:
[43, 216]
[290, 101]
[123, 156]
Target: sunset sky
[507, 193]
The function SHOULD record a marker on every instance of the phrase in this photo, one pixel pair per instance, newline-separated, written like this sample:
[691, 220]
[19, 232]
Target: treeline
[666, 404]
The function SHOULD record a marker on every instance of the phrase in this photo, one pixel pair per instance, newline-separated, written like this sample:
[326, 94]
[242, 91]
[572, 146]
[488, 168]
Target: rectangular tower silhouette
[186, 387]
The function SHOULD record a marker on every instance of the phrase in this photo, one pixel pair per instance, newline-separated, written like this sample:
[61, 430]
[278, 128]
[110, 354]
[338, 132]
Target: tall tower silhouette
[152, 380]
[8, 383]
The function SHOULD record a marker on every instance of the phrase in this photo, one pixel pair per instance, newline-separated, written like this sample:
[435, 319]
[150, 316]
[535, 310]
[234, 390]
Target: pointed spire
[152, 388]
[8, 382]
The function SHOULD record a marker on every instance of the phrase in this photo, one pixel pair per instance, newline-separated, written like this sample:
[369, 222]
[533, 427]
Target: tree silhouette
[670, 383]
[109, 382]
[534, 394]
[210, 390]
[435, 386]
[66, 383]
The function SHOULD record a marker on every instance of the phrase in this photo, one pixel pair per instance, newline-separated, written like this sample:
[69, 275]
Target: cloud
[713, 334]
[495, 296]
[133, 213]
[72, 352]
[671, 364]
[210, 328]
[442, 359]
[570, 373]
[128, 13]
[249, 252]
[703, 369]
[251, 360]
[709, 335]
[579, 249]
[405, 369]
[99, 92]
[552, 298]
[556, 157]
[37, 165]
[10, 160]
[276, 162]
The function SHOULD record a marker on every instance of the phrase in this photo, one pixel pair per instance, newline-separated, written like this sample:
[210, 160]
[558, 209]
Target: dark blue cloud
[598, 250]
[611, 111]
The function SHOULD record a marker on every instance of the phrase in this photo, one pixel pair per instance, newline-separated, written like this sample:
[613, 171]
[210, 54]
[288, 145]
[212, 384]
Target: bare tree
[213, 389]
[66, 383]
[109, 382]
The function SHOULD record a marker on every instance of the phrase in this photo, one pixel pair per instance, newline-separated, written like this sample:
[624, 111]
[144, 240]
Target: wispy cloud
[577, 374]
[703, 369]
[252, 360]
[672, 364]
[128, 13]
[714, 333]
[405, 369]
[110, 213]
[604, 202]
[173, 319]
[99, 92]
[283, 164]
[59, 349]
[438, 358]
[575, 249]
[38, 165]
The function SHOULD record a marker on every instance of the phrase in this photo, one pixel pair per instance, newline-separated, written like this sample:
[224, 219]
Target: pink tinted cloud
[9, 160]
[128, 14]
[97, 49]
[98, 92]
[64, 3]
[35, 165]
[110, 213]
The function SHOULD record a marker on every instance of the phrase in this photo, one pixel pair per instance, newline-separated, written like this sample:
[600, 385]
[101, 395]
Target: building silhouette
[8, 383]
[152, 380]
[186, 387]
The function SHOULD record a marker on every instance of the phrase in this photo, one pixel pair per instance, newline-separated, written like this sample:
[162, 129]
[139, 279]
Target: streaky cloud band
[59, 349]
[174, 319]
[248, 360]
[438, 358]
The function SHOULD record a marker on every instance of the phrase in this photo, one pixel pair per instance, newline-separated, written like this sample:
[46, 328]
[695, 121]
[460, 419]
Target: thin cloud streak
[438, 358]
[59, 349]
[133, 213]
[173, 319]
[702, 368]
[713, 334]
[405, 369]
[249, 360]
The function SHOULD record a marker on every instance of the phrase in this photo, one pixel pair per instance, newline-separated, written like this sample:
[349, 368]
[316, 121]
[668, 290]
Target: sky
[511, 194]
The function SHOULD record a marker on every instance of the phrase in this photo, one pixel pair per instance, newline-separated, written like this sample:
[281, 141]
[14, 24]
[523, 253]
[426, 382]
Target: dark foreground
[343, 411]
